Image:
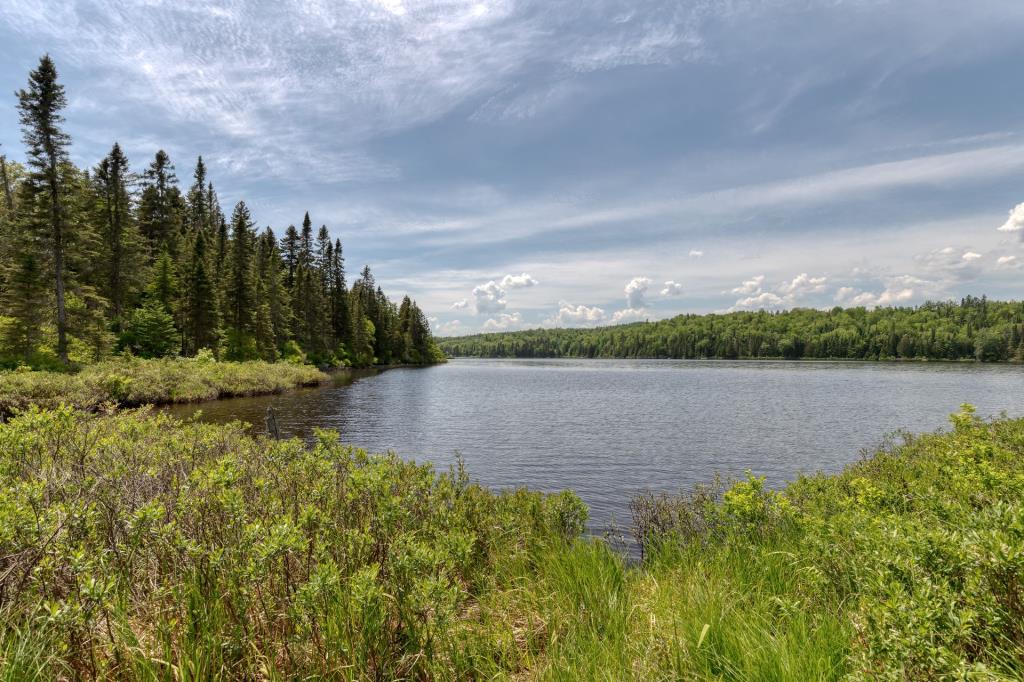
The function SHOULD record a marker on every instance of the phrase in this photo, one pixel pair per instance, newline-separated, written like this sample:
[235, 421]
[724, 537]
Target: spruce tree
[290, 249]
[198, 201]
[123, 260]
[340, 321]
[201, 320]
[46, 146]
[160, 205]
[240, 291]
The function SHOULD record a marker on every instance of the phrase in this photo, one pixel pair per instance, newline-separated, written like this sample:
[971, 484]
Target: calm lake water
[609, 428]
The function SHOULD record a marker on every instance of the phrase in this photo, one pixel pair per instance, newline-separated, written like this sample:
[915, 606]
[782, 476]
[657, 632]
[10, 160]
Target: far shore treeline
[105, 260]
[973, 329]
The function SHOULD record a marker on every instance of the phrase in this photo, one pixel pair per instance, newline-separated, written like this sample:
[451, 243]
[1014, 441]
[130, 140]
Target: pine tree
[198, 201]
[46, 145]
[201, 320]
[290, 255]
[122, 246]
[270, 267]
[161, 205]
[340, 321]
[163, 285]
[240, 291]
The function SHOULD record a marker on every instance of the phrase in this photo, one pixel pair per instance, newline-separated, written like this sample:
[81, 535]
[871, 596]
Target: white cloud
[694, 253]
[629, 315]
[750, 286]
[518, 281]
[1007, 262]
[460, 304]
[569, 314]
[672, 289]
[489, 297]
[1015, 221]
[503, 321]
[445, 329]
[893, 294]
[635, 291]
[802, 284]
[970, 255]
[851, 297]
[764, 300]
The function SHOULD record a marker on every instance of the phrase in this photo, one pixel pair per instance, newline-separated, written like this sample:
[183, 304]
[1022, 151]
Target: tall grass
[136, 547]
[136, 381]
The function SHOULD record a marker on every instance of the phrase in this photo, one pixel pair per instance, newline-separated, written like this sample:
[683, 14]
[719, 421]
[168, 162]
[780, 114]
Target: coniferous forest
[111, 259]
[973, 329]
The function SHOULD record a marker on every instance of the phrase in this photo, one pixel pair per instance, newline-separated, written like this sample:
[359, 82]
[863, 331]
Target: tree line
[103, 260]
[974, 328]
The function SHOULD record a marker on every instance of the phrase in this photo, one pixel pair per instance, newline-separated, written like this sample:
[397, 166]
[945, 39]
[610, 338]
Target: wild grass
[136, 547]
[136, 381]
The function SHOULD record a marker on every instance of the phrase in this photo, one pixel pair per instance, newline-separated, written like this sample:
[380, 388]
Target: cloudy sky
[516, 163]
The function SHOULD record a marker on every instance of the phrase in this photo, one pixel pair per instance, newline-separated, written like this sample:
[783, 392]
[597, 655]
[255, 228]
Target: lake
[610, 428]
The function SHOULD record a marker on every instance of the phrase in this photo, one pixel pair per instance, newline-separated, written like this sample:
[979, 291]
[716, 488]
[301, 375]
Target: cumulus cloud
[851, 297]
[764, 300]
[629, 315]
[503, 321]
[518, 281]
[635, 291]
[489, 298]
[672, 289]
[802, 284]
[1015, 221]
[1007, 262]
[694, 253]
[751, 286]
[900, 289]
[947, 265]
[445, 328]
[569, 314]
[460, 304]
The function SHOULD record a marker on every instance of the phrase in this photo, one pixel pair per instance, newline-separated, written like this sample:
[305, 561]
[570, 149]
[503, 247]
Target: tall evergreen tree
[198, 200]
[123, 263]
[290, 248]
[201, 319]
[241, 285]
[46, 145]
[160, 205]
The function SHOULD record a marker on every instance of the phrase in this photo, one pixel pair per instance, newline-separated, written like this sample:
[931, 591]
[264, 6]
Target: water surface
[608, 428]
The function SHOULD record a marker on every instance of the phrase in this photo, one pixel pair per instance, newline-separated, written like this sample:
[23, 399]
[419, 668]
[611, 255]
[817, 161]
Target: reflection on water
[607, 428]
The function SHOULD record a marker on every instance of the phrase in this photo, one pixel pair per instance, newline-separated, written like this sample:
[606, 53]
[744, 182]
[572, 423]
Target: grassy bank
[134, 381]
[136, 547]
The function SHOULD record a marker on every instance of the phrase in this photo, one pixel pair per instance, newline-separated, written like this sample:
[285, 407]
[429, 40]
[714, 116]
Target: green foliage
[150, 332]
[167, 550]
[974, 328]
[135, 381]
[139, 547]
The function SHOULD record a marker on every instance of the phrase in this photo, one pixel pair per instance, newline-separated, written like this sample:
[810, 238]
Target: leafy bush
[138, 547]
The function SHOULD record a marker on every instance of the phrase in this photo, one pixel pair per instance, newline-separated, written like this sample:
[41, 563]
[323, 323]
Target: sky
[517, 163]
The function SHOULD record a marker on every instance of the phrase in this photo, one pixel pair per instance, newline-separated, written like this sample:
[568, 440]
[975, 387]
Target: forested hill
[107, 259]
[974, 328]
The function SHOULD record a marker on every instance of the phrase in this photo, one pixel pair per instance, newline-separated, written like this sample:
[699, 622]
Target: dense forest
[974, 328]
[106, 260]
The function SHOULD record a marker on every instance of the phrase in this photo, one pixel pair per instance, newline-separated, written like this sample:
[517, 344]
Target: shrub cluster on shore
[134, 546]
[135, 381]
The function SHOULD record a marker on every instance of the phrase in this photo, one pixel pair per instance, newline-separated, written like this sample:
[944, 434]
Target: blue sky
[516, 164]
